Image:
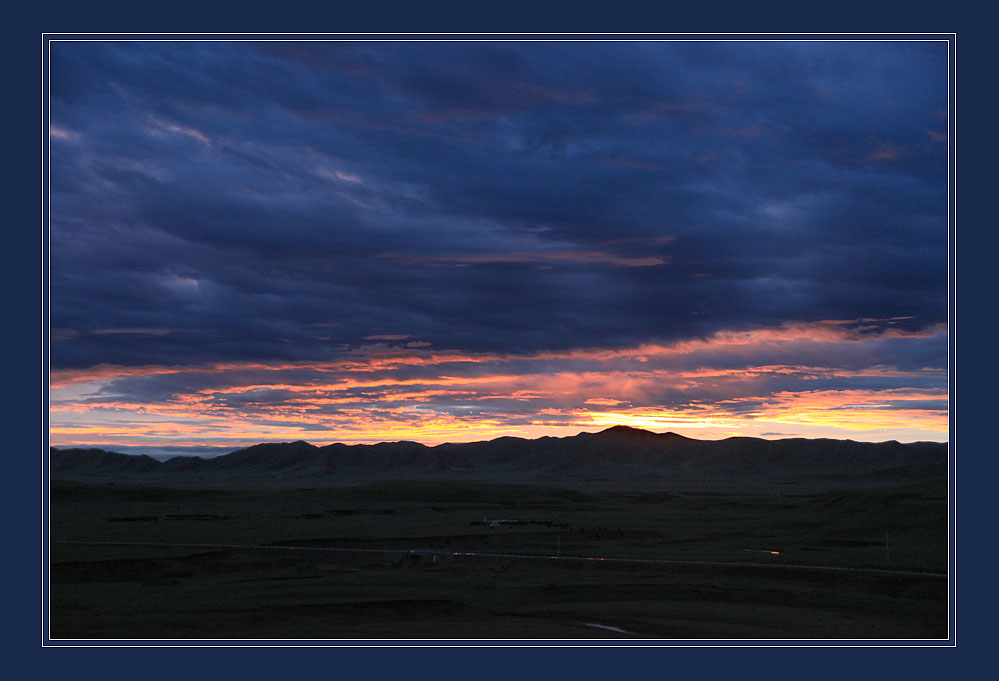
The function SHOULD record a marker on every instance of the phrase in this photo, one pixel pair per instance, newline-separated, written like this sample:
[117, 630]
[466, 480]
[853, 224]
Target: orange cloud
[372, 395]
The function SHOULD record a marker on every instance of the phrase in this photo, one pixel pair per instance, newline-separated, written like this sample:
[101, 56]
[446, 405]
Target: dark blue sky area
[284, 200]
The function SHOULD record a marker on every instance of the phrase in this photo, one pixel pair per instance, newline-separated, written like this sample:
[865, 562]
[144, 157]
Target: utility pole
[887, 548]
[558, 547]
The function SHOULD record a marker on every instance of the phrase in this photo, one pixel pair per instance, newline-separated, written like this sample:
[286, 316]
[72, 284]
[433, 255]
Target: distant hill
[617, 456]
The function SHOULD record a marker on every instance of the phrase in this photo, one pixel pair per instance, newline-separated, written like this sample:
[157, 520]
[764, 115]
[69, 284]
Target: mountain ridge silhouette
[619, 453]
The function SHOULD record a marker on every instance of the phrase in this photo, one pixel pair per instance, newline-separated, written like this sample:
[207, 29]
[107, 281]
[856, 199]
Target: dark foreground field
[380, 561]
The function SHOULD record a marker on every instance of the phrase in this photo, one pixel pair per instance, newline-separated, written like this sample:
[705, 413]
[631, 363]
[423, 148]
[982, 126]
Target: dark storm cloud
[284, 201]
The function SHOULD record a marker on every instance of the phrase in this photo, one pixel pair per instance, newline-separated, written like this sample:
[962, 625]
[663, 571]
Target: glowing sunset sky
[351, 241]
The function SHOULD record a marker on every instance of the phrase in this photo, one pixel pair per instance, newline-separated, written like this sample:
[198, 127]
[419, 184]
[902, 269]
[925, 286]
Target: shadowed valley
[618, 534]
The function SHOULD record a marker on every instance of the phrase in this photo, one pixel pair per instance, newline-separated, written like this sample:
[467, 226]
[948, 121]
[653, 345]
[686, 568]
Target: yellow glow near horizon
[853, 414]
[381, 393]
[432, 429]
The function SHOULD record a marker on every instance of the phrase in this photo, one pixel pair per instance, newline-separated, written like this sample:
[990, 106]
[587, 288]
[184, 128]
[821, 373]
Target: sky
[444, 241]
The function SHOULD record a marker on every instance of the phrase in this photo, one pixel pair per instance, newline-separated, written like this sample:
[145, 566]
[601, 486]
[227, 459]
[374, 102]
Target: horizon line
[371, 442]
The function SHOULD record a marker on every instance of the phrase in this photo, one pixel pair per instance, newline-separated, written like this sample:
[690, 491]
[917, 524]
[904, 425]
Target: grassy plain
[155, 585]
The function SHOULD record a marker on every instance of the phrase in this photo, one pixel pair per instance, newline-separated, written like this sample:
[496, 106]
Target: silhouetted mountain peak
[277, 447]
[626, 430]
[631, 432]
[268, 455]
[620, 452]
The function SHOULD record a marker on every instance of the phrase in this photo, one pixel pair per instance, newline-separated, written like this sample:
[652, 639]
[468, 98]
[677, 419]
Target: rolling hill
[617, 456]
